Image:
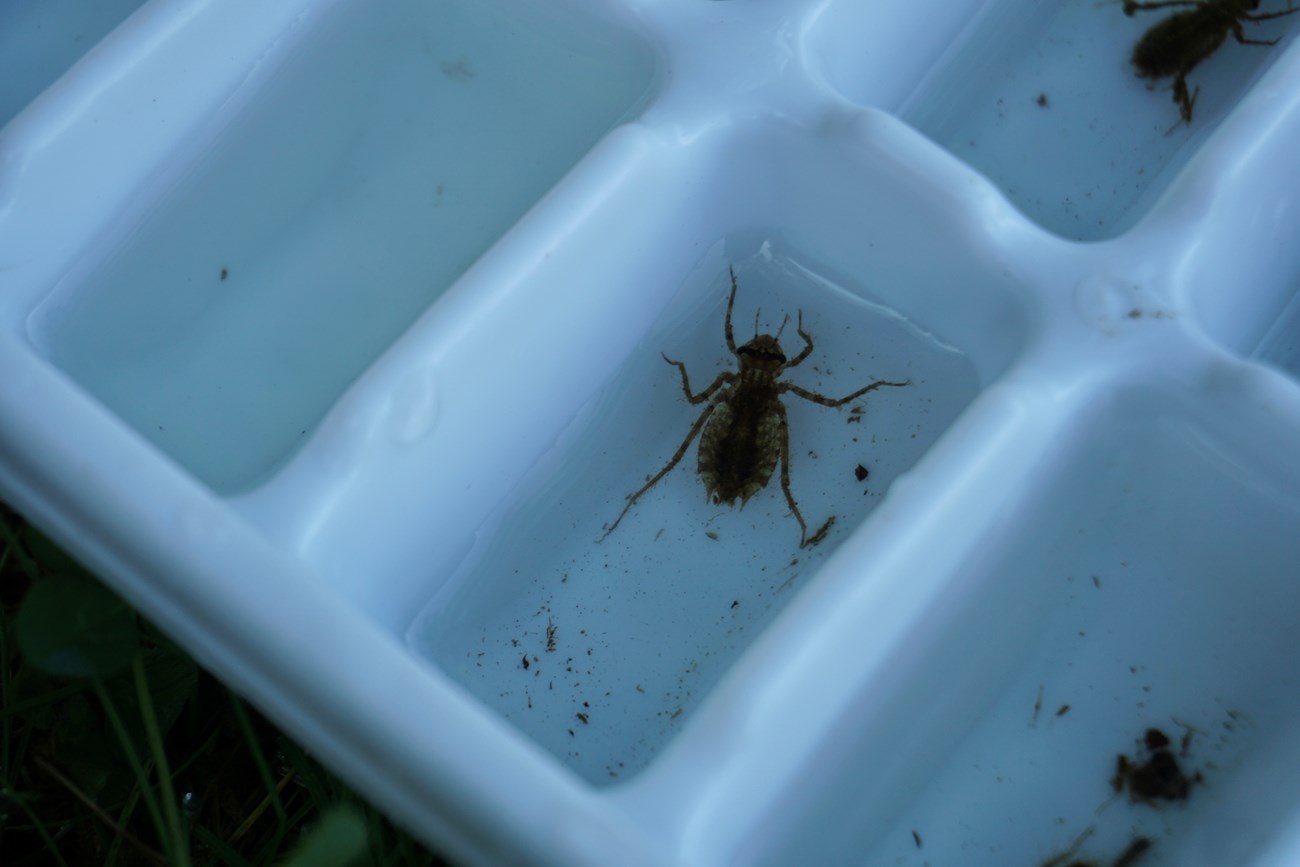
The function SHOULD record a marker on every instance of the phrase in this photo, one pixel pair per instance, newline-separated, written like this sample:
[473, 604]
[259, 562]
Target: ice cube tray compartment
[643, 651]
[372, 320]
[1042, 98]
[224, 321]
[1111, 618]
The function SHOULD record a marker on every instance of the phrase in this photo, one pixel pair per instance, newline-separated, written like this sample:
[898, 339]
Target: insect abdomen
[1177, 44]
[739, 449]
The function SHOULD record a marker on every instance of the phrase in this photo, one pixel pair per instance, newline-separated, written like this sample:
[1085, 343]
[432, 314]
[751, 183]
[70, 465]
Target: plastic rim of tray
[1095, 540]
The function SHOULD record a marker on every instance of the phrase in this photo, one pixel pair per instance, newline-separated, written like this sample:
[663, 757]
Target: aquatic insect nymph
[743, 429]
[1174, 46]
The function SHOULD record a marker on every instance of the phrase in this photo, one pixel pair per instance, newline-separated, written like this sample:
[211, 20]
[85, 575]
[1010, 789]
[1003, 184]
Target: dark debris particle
[1135, 850]
[583, 717]
[1159, 778]
[1129, 857]
[860, 473]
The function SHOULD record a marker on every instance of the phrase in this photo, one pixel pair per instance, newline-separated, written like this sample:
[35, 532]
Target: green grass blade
[223, 852]
[141, 776]
[6, 734]
[123, 820]
[43, 832]
[180, 853]
[259, 758]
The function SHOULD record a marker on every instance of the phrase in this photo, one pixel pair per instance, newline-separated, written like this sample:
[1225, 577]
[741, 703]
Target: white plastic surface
[332, 335]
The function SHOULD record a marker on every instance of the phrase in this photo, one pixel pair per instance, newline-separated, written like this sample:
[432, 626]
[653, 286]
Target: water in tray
[600, 650]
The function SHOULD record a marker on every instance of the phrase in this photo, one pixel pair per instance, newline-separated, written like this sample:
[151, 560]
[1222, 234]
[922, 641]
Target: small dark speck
[458, 70]
[1063, 710]
[860, 473]
[225, 272]
[1042, 100]
[583, 717]
[735, 604]
[525, 662]
[916, 836]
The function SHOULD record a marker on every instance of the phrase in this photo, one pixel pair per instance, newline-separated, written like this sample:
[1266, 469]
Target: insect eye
[762, 354]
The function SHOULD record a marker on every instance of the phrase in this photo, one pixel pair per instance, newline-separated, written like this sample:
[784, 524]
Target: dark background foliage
[117, 749]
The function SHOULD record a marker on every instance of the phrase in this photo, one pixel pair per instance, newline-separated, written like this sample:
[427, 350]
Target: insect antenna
[782, 328]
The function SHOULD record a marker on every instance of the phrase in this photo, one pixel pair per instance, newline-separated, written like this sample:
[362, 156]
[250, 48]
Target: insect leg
[1131, 6]
[731, 302]
[1264, 16]
[1185, 101]
[672, 462]
[724, 377]
[804, 540]
[1134, 851]
[1240, 35]
[827, 401]
[808, 344]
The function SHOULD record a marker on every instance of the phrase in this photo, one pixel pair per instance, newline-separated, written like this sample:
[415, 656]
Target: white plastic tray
[331, 335]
